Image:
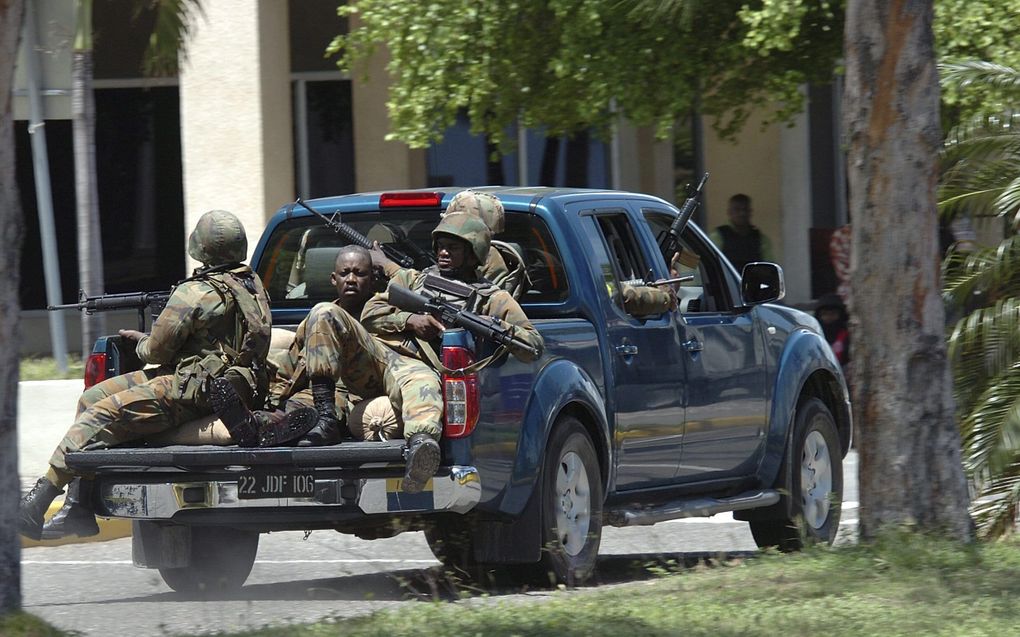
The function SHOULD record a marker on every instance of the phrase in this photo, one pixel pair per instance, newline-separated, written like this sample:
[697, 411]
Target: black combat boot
[77, 516]
[422, 457]
[33, 508]
[257, 428]
[278, 429]
[328, 429]
[230, 408]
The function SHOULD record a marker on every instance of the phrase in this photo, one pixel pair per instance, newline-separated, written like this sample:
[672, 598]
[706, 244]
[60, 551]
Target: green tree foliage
[981, 176]
[562, 63]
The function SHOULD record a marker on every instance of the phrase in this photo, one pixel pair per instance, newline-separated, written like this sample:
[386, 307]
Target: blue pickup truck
[730, 403]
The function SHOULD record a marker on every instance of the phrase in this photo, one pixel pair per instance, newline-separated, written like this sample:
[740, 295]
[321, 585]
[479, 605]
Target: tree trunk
[909, 445]
[11, 14]
[83, 123]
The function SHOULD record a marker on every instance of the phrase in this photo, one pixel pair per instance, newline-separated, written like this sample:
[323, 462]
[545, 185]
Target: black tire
[572, 494]
[815, 506]
[221, 559]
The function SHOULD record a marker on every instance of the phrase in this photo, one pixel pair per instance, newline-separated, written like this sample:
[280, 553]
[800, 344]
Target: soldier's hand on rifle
[425, 326]
[379, 258]
[673, 301]
[131, 335]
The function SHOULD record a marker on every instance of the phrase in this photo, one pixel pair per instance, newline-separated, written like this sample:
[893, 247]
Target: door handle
[693, 345]
[627, 350]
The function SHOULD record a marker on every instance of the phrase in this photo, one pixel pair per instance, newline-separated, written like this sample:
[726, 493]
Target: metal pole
[614, 148]
[522, 154]
[43, 194]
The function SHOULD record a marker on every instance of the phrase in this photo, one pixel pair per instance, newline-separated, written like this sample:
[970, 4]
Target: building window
[323, 136]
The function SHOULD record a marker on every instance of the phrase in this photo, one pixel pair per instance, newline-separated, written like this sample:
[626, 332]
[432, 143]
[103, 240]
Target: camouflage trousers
[119, 410]
[337, 346]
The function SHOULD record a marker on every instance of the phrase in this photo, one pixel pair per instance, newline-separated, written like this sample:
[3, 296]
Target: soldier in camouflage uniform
[215, 323]
[490, 210]
[341, 362]
[461, 242]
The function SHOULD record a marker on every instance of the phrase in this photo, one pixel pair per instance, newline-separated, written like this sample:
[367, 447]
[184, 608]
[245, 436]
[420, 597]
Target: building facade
[258, 116]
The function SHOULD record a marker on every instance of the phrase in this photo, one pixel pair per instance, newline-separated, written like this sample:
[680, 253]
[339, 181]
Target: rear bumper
[455, 489]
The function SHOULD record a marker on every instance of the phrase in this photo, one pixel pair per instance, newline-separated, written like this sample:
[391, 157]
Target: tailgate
[282, 487]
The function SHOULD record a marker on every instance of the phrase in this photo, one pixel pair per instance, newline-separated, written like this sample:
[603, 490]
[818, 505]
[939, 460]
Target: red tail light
[95, 369]
[460, 393]
[410, 199]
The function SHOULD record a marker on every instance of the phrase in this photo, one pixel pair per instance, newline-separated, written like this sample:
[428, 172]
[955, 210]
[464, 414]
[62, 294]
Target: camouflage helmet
[218, 239]
[480, 204]
[467, 228]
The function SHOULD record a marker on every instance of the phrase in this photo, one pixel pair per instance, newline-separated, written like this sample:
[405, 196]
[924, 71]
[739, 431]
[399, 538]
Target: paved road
[93, 588]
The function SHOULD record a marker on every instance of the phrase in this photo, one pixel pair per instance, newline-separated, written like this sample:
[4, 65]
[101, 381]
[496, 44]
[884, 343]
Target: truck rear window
[300, 254]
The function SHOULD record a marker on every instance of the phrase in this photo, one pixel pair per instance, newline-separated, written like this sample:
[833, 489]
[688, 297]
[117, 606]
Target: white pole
[43, 194]
[522, 154]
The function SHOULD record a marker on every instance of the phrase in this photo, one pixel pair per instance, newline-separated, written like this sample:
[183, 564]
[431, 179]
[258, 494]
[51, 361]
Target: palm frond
[991, 430]
[166, 43]
[995, 505]
[963, 74]
[983, 349]
[989, 271]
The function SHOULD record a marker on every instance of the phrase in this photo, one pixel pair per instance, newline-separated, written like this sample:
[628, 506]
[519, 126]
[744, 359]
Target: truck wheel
[817, 486]
[221, 559]
[571, 504]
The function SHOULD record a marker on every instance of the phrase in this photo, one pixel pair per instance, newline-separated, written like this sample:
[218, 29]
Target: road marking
[347, 561]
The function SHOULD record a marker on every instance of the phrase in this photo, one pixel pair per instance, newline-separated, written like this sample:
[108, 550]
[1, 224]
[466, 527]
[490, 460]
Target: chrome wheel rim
[815, 480]
[573, 503]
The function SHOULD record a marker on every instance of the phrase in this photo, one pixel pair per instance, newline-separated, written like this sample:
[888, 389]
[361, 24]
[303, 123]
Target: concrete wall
[771, 166]
[646, 163]
[236, 119]
[380, 164]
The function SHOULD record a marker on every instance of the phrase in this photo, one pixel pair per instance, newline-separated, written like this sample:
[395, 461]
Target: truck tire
[816, 487]
[221, 559]
[572, 494]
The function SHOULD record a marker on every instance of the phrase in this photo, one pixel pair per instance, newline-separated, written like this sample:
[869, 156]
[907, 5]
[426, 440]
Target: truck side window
[628, 261]
[704, 293]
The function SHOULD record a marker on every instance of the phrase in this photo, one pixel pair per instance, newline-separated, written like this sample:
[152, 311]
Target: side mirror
[761, 282]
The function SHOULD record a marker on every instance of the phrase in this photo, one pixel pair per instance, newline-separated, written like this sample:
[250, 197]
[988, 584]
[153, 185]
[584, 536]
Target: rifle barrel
[355, 237]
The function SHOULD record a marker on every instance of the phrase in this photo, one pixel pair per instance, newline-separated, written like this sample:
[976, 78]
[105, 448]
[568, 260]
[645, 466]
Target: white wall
[237, 149]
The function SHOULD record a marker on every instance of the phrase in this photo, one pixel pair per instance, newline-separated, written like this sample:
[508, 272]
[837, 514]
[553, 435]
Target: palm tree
[981, 177]
[165, 47]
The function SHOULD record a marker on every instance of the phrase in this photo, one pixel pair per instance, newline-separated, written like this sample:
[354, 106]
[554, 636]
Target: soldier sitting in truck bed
[215, 324]
[334, 357]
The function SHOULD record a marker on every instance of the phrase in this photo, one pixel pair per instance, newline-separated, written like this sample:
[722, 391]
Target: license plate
[292, 484]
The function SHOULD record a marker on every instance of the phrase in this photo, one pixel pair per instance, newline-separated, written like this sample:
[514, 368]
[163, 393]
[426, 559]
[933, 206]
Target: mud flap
[155, 545]
[517, 541]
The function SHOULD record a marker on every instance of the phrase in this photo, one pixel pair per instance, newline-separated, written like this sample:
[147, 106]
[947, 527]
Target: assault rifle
[670, 242]
[155, 301]
[353, 236]
[484, 327]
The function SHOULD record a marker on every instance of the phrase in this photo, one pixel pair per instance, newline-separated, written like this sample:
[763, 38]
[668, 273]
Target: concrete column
[379, 164]
[646, 163]
[795, 204]
[236, 120]
[753, 165]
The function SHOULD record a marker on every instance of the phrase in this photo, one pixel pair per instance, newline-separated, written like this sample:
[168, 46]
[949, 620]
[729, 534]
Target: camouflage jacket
[495, 268]
[390, 322]
[224, 314]
[645, 300]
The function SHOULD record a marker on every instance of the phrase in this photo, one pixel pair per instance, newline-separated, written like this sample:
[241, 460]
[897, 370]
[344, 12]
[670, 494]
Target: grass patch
[904, 584]
[45, 368]
[25, 625]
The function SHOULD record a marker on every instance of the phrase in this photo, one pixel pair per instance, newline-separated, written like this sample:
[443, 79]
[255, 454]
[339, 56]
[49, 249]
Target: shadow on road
[440, 584]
